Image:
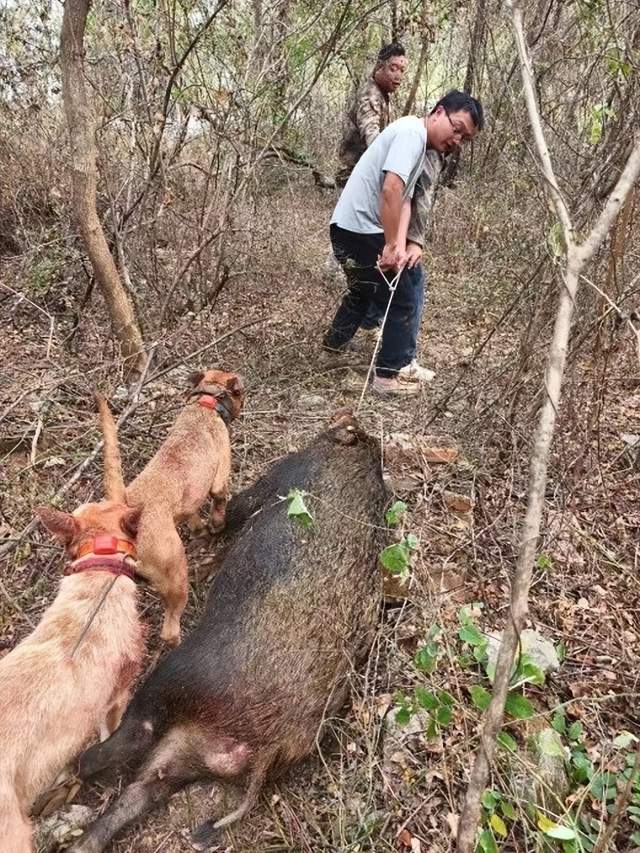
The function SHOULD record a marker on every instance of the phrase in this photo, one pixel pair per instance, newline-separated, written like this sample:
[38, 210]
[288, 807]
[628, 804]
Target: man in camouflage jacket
[368, 114]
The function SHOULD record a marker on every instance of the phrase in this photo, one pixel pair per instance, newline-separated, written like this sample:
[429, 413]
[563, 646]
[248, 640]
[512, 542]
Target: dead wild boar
[289, 614]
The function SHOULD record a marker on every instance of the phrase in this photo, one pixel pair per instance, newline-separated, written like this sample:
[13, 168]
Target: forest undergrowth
[392, 771]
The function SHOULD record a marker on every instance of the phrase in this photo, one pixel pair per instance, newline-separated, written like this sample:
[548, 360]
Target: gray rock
[533, 644]
[541, 777]
[312, 401]
[65, 824]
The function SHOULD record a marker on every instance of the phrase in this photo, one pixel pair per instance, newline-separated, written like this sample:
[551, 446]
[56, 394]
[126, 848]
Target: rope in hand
[392, 285]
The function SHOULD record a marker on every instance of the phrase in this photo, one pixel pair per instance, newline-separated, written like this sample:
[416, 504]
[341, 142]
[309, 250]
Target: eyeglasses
[460, 132]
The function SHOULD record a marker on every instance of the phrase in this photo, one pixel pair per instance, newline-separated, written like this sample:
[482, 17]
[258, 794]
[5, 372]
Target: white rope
[392, 285]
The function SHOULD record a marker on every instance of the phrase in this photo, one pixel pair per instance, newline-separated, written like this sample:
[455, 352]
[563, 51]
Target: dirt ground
[371, 787]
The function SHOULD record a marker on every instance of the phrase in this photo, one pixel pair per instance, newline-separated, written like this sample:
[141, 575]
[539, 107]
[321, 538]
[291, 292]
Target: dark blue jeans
[358, 254]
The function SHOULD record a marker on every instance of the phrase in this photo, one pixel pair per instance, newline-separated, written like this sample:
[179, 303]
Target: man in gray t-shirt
[369, 229]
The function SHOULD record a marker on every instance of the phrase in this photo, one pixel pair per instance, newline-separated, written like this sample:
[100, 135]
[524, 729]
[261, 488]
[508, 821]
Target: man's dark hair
[389, 50]
[455, 101]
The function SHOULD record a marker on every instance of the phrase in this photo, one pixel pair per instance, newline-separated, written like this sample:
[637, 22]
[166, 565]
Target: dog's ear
[235, 385]
[130, 520]
[61, 525]
[195, 378]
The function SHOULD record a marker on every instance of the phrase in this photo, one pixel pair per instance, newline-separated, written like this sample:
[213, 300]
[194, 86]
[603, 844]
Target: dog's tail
[113, 480]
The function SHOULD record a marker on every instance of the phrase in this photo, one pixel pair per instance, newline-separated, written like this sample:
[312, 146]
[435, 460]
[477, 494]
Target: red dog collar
[207, 401]
[103, 544]
[113, 565]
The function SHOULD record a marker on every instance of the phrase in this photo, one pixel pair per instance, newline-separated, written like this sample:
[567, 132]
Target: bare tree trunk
[577, 256]
[84, 180]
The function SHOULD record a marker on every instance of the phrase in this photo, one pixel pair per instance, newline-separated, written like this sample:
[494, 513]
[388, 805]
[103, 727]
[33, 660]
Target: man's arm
[394, 214]
[369, 115]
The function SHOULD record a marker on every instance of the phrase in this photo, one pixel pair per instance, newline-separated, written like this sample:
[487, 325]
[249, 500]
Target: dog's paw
[197, 525]
[205, 836]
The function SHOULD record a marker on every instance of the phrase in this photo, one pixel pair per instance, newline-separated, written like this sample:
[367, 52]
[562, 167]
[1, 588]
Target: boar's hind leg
[136, 800]
[205, 835]
[167, 771]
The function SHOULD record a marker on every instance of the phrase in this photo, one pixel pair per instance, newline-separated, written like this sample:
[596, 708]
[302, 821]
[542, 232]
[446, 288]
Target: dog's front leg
[218, 510]
[196, 524]
[220, 493]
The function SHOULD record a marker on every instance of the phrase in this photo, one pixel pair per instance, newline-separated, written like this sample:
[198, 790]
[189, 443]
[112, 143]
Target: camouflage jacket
[366, 117]
[424, 196]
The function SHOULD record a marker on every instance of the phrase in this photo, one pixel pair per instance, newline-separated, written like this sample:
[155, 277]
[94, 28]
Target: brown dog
[69, 680]
[193, 462]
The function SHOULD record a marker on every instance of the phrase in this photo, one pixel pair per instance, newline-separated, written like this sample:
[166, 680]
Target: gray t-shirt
[400, 148]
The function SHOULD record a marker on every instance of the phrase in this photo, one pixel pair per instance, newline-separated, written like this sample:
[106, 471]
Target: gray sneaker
[393, 386]
[414, 372]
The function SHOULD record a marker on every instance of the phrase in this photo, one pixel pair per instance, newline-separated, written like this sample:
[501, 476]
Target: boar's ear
[235, 385]
[62, 525]
[195, 378]
[131, 519]
[346, 435]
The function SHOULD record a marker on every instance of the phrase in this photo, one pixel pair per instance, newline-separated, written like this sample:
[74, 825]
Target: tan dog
[70, 679]
[193, 462]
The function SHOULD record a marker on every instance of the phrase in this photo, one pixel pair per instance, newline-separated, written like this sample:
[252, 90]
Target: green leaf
[425, 660]
[486, 842]
[555, 240]
[562, 833]
[480, 651]
[480, 696]
[519, 707]
[508, 742]
[498, 825]
[432, 728]
[446, 698]
[635, 837]
[395, 558]
[559, 722]
[603, 786]
[465, 614]
[544, 823]
[527, 672]
[297, 508]
[544, 562]
[624, 740]
[434, 632]
[403, 716]
[411, 541]
[508, 810]
[490, 799]
[395, 513]
[574, 731]
[444, 715]
[583, 767]
[470, 634]
[426, 700]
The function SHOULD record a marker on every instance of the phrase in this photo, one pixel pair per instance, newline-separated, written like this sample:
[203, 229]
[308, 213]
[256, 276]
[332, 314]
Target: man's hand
[413, 254]
[393, 257]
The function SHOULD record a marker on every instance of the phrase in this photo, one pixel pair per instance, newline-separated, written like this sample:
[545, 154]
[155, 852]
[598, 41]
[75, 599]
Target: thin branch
[538, 135]
[615, 201]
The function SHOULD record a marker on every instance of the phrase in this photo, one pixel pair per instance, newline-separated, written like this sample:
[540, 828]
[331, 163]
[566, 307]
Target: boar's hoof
[205, 836]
